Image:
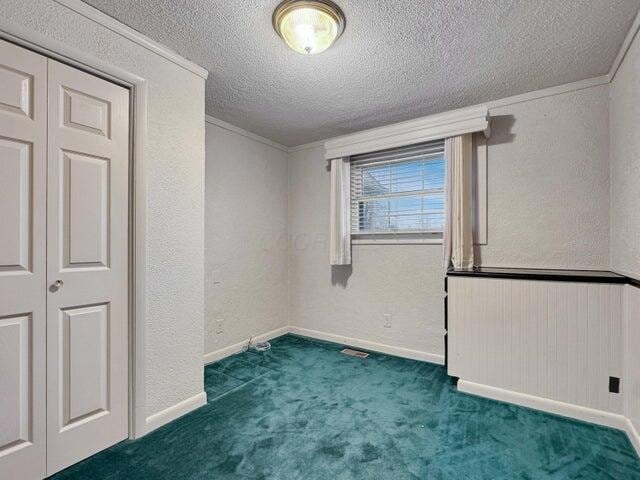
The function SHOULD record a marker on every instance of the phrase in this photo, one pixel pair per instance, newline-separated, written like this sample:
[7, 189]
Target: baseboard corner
[372, 346]
[569, 410]
[176, 411]
[237, 347]
[634, 435]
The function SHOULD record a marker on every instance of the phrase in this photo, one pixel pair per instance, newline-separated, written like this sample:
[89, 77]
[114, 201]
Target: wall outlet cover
[614, 385]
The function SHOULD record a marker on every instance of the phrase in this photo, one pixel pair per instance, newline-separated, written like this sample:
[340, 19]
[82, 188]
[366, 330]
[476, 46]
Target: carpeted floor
[305, 411]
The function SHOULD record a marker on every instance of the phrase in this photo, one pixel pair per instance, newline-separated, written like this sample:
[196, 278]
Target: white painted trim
[634, 436]
[115, 26]
[238, 347]
[367, 345]
[328, 337]
[586, 414]
[480, 217]
[64, 53]
[624, 48]
[307, 146]
[232, 128]
[503, 102]
[424, 129]
[138, 328]
[139, 90]
[550, 92]
[176, 411]
[396, 241]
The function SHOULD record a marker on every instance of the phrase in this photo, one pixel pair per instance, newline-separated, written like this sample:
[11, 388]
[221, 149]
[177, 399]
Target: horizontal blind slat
[399, 190]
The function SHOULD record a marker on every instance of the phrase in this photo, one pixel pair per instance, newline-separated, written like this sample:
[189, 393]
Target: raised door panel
[23, 170]
[15, 206]
[87, 113]
[87, 257]
[16, 378]
[85, 193]
[16, 94]
[84, 336]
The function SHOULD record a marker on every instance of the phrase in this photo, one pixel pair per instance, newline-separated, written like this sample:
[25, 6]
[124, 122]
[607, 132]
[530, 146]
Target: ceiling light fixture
[308, 26]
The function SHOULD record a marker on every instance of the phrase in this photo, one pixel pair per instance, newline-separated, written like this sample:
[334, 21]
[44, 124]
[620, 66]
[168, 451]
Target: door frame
[138, 89]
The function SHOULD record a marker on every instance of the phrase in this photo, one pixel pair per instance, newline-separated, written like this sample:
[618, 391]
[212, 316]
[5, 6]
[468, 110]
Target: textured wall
[625, 164]
[404, 280]
[175, 201]
[548, 183]
[246, 237]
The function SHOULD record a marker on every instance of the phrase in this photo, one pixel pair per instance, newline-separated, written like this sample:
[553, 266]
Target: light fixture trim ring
[326, 6]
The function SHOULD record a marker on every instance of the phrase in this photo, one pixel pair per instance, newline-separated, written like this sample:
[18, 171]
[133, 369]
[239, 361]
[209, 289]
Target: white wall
[175, 200]
[625, 164]
[548, 206]
[246, 237]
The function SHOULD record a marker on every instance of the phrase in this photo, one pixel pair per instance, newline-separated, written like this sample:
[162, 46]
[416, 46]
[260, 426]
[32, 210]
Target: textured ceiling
[397, 59]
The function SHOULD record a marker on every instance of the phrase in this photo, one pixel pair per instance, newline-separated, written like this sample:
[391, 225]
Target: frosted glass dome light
[308, 26]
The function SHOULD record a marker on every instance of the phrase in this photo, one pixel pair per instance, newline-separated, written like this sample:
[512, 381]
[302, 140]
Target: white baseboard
[170, 414]
[634, 435]
[373, 346]
[578, 412]
[329, 337]
[238, 347]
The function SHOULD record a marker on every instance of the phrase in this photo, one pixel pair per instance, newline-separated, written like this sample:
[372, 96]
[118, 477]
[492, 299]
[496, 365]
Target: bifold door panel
[23, 157]
[87, 265]
[64, 139]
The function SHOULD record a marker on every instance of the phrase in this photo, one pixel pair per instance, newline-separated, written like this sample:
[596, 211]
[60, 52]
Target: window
[399, 191]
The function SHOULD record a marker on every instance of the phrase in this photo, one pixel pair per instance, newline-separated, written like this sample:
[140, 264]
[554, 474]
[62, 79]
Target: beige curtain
[458, 230]
[340, 229]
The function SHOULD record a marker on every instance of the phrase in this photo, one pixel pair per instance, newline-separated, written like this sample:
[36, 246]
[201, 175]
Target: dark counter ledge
[588, 276]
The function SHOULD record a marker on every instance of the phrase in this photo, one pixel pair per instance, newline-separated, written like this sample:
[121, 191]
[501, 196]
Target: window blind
[400, 190]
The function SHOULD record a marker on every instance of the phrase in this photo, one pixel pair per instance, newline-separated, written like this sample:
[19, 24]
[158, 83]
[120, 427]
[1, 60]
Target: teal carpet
[305, 411]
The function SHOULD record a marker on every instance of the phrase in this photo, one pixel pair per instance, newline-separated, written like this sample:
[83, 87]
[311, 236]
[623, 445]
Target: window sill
[397, 239]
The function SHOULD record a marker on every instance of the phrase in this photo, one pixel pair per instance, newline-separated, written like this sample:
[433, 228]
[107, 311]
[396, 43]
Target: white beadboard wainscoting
[555, 340]
[631, 379]
[549, 345]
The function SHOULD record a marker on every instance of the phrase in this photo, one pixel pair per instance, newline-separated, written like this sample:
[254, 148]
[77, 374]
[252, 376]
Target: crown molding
[424, 129]
[232, 128]
[549, 92]
[503, 102]
[624, 48]
[119, 28]
[307, 146]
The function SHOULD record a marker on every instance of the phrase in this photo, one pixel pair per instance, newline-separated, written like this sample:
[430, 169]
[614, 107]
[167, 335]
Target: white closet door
[86, 265]
[23, 133]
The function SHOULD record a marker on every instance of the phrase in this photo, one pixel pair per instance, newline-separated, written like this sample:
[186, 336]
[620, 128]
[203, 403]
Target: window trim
[395, 238]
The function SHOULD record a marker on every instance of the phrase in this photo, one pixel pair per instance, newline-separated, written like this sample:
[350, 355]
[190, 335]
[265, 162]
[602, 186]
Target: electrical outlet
[219, 326]
[387, 320]
[217, 277]
[614, 384]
